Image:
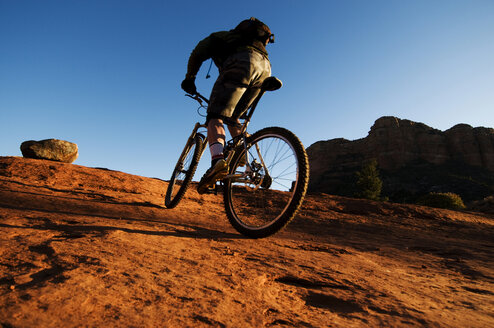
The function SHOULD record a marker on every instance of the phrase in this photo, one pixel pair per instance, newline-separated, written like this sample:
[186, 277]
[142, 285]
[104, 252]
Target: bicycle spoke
[282, 174]
[284, 186]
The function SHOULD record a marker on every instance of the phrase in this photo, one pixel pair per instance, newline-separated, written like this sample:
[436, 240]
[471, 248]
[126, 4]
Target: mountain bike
[267, 177]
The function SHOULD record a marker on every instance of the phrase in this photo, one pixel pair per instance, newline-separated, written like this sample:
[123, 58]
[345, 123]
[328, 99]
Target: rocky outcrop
[474, 146]
[51, 149]
[396, 144]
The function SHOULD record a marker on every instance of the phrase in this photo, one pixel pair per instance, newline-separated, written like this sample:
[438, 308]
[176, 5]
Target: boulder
[51, 149]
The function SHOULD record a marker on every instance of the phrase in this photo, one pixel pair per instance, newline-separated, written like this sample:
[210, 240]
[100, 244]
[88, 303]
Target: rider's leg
[235, 130]
[219, 167]
[216, 139]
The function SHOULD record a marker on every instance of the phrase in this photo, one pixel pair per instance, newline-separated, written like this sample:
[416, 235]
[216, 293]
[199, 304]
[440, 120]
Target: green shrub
[369, 184]
[447, 200]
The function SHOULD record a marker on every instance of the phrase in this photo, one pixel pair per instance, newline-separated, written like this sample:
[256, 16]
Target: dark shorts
[238, 85]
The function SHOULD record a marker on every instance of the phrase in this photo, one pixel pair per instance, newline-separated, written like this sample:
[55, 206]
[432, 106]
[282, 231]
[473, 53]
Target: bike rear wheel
[184, 171]
[261, 202]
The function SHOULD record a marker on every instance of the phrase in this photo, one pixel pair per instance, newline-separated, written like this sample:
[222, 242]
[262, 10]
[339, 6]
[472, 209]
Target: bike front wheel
[261, 198]
[184, 171]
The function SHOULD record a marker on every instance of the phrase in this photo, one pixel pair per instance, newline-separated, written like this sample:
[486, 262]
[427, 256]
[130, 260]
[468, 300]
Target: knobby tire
[236, 209]
[190, 158]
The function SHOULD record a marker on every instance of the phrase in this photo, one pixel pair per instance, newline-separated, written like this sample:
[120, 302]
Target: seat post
[251, 110]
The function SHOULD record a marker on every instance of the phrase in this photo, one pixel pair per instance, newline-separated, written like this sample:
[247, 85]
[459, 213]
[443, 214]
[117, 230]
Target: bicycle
[267, 178]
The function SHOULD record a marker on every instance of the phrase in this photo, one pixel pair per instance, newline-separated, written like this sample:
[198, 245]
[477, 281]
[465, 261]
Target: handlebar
[199, 98]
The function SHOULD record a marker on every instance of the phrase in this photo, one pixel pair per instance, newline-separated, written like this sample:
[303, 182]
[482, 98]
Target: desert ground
[92, 247]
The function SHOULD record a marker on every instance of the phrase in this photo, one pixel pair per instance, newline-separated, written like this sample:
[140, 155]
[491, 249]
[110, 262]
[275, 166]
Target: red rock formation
[396, 143]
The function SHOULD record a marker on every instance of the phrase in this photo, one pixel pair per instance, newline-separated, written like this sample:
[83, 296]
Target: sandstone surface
[51, 149]
[84, 247]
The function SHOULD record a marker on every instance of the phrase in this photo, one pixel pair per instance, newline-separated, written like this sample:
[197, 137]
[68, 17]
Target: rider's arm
[201, 52]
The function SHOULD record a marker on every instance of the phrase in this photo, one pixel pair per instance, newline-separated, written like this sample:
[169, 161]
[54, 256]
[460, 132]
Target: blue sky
[106, 74]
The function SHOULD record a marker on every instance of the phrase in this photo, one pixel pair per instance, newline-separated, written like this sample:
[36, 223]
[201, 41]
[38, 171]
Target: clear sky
[106, 74]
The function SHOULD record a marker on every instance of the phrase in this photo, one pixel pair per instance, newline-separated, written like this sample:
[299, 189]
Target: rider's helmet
[255, 29]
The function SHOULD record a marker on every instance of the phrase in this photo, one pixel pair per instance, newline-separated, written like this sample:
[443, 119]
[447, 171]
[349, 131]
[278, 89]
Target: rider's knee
[213, 117]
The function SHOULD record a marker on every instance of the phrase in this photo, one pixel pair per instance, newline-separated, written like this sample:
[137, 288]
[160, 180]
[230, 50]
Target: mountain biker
[242, 60]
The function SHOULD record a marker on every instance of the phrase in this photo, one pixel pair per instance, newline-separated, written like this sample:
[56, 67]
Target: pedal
[220, 186]
[217, 188]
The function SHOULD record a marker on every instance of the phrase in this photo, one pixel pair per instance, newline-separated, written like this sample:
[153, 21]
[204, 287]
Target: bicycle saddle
[271, 84]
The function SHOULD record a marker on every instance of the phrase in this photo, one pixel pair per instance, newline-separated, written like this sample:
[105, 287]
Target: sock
[216, 150]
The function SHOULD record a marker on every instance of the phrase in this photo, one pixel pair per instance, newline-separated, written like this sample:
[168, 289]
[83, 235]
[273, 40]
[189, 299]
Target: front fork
[194, 133]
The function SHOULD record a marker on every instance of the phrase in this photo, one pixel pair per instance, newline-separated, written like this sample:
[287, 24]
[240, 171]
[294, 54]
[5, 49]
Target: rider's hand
[189, 86]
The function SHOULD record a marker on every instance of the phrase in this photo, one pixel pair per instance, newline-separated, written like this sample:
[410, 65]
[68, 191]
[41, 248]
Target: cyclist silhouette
[242, 60]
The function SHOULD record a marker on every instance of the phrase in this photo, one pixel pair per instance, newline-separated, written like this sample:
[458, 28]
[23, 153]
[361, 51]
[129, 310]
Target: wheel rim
[180, 172]
[260, 200]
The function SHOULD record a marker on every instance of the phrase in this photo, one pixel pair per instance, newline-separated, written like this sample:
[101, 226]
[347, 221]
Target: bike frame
[234, 143]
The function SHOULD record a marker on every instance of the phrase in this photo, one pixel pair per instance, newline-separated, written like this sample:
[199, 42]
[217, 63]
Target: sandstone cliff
[404, 148]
